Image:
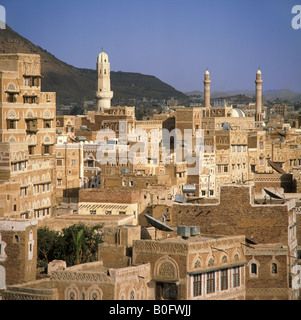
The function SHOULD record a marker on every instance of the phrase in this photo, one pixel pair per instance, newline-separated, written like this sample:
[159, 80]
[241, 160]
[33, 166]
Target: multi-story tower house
[18, 251]
[27, 136]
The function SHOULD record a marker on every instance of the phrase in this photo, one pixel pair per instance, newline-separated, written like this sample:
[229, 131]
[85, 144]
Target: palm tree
[77, 242]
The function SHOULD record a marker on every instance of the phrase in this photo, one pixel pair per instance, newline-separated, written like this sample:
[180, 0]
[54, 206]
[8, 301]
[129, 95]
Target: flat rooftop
[64, 221]
[196, 238]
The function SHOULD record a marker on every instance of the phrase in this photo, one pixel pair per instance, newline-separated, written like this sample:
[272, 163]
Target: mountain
[268, 95]
[73, 84]
[283, 94]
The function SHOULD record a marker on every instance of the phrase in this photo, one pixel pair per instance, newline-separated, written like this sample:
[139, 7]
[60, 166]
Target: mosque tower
[207, 82]
[104, 93]
[258, 82]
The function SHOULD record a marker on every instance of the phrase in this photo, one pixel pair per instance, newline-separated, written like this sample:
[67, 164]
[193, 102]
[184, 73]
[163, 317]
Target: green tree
[47, 245]
[76, 244]
[88, 243]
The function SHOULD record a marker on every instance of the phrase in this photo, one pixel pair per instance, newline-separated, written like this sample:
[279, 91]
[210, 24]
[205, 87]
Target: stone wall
[90, 281]
[20, 252]
[174, 259]
[235, 214]
[109, 195]
[273, 180]
[268, 283]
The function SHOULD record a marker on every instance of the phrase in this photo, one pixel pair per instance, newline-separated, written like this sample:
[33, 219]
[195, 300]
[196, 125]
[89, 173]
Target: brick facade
[235, 213]
[113, 195]
[18, 250]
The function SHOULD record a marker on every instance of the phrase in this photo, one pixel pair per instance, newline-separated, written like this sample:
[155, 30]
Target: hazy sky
[171, 39]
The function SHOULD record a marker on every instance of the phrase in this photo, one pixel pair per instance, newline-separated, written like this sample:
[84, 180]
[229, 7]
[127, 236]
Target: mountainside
[284, 94]
[270, 95]
[74, 84]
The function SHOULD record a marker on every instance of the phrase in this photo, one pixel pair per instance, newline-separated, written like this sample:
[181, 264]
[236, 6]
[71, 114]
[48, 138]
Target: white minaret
[207, 82]
[104, 93]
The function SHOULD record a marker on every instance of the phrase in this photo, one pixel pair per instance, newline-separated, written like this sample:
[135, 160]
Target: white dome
[258, 71]
[237, 113]
[103, 57]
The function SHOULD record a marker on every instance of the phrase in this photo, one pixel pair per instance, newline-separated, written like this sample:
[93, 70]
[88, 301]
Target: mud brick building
[110, 202]
[89, 281]
[108, 279]
[194, 267]
[181, 268]
[18, 251]
[116, 251]
[27, 137]
[69, 171]
[271, 232]
[267, 272]
[236, 213]
[130, 203]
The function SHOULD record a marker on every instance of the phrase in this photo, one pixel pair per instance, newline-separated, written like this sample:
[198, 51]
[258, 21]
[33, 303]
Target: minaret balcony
[104, 94]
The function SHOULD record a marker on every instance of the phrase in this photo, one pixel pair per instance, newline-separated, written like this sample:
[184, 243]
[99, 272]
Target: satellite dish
[272, 194]
[276, 167]
[158, 224]
[180, 198]
[226, 126]
[81, 138]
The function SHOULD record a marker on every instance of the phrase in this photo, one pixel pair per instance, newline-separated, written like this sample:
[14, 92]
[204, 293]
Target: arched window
[274, 268]
[30, 245]
[71, 293]
[211, 262]
[11, 87]
[132, 295]
[16, 238]
[12, 114]
[253, 268]
[95, 294]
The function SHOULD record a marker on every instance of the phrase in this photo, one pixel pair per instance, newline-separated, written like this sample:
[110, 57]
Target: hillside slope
[74, 84]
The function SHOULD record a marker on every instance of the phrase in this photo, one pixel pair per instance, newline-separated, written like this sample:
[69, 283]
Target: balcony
[32, 126]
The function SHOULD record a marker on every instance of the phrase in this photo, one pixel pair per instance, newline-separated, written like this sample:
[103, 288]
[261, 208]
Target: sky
[173, 40]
